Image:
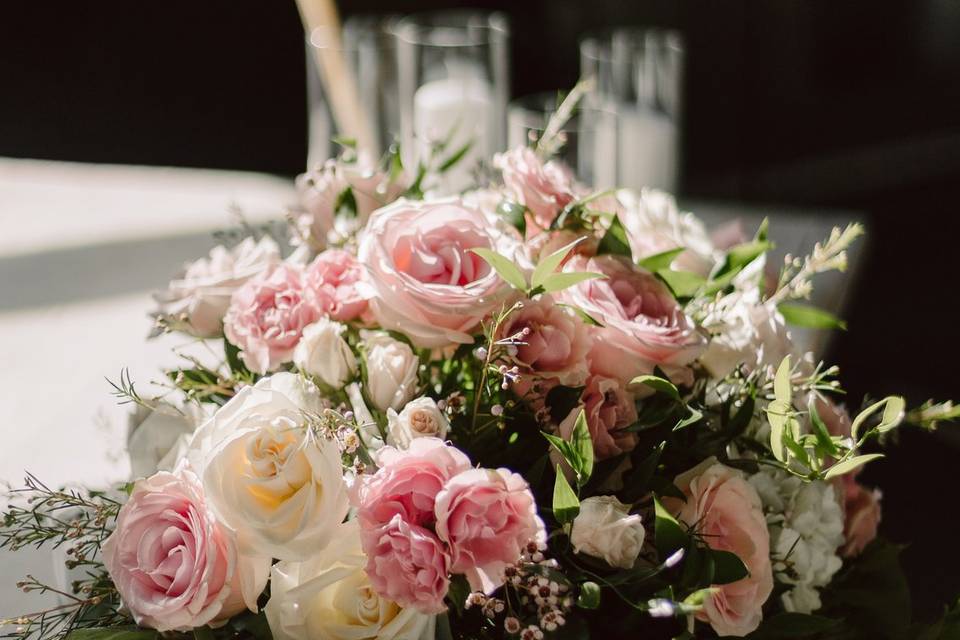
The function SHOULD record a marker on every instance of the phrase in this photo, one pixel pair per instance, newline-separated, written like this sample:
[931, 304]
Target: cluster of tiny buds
[490, 606]
[540, 595]
[510, 374]
[453, 404]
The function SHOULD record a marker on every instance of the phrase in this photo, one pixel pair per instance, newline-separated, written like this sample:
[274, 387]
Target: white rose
[267, 475]
[197, 301]
[153, 437]
[420, 418]
[654, 224]
[391, 370]
[321, 352]
[605, 529]
[330, 597]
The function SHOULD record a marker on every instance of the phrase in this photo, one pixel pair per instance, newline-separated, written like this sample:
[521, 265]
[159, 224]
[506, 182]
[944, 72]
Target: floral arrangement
[530, 410]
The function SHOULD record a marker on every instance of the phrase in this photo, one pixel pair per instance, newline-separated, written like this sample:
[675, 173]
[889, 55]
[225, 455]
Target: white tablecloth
[82, 247]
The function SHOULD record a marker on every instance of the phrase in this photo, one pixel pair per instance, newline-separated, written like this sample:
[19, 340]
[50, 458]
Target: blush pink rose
[609, 409]
[333, 276]
[727, 512]
[643, 326]
[486, 516]
[323, 188]
[544, 188]
[861, 518]
[407, 564]
[554, 341]
[267, 316]
[174, 565]
[422, 279]
[407, 482]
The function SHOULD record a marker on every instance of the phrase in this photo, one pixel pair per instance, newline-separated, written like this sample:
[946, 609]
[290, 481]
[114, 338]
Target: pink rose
[407, 564]
[267, 316]
[174, 565]
[486, 516]
[861, 517]
[322, 190]
[554, 341]
[728, 514]
[643, 326]
[334, 275]
[545, 189]
[407, 482]
[609, 409]
[423, 281]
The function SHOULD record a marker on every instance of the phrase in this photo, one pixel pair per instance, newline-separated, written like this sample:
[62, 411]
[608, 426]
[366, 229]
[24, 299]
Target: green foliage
[801, 315]
[513, 213]
[615, 241]
[113, 633]
[589, 596]
[658, 384]
[504, 267]
[668, 535]
[566, 504]
[661, 260]
[578, 451]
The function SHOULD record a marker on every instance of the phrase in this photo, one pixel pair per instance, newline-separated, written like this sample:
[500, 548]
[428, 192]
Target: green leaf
[345, 141]
[893, 412]
[346, 200]
[514, 214]
[782, 386]
[112, 633]
[778, 415]
[589, 597]
[562, 400]
[741, 255]
[727, 567]
[824, 439]
[848, 465]
[583, 446]
[636, 484]
[683, 284]
[693, 416]
[668, 534]
[658, 261]
[232, 353]
[802, 315]
[615, 241]
[455, 157]
[502, 265]
[658, 384]
[563, 280]
[566, 505]
[550, 264]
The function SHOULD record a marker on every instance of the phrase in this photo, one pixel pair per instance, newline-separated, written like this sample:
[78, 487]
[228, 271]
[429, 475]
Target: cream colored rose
[420, 418]
[391, 370]
[329, 597]
[605, 529]
[197, 301]
[323, 353]
[267, 475]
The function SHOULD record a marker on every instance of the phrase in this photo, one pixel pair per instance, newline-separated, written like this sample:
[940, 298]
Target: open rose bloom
[531, 410]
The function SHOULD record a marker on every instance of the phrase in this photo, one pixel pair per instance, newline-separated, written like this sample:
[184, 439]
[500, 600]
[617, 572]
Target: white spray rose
[330, 597]
[391, 370]
[197, 301]
[654, 224]
[805, 521]
[420, 418]
[323, 353]
[605, 529]
[155, 436]
[267, 475]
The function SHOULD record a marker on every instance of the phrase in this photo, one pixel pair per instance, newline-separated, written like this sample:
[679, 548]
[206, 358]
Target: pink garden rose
[197, 301]
[727, 512]
[544, 188]
[406, 563]
[421, 277]
[267, 316]
[322, 188]
[174, 565]
[407, 482]
[333, 276]
[643, 326]
[861, 508]
[554, 340]
[486, 516]
[609, 410]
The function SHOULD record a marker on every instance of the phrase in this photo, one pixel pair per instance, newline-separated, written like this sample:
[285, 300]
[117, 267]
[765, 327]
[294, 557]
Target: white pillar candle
[461, 108]
[647, 149]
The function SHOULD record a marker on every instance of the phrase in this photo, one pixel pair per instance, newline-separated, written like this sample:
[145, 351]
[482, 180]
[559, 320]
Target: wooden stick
[339, 83]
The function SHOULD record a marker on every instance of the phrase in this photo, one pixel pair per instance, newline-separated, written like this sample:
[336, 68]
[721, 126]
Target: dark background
[822, 103]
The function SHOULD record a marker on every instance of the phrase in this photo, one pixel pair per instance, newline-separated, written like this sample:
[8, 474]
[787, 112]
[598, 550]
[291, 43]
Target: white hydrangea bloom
[805, 520]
